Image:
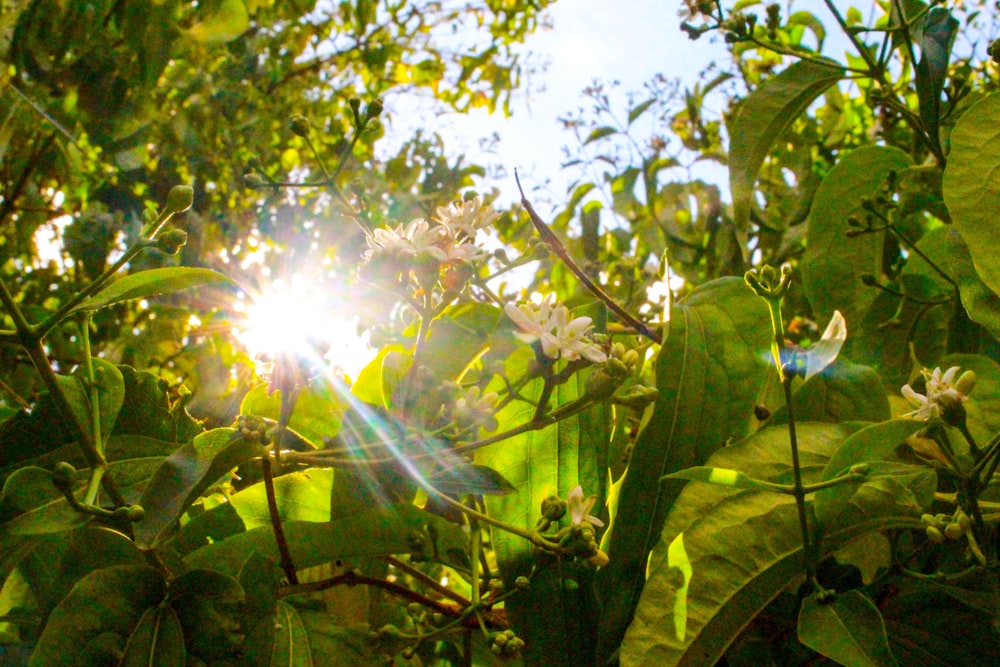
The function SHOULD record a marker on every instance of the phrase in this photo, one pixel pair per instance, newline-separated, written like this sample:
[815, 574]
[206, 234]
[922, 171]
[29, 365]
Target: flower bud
[522, 583]
[860, 469]
[966, 382]
[374, 108]
[553, 508]
[953, 531]
[62, 475]
[299, 125]
[170, 241]
[136, 513]
[179, 199]
[935, 535]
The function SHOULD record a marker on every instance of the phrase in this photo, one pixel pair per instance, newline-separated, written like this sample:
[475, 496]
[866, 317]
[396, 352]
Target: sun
[292, 319]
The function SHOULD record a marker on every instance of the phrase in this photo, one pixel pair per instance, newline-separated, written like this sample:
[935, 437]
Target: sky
[625, 40]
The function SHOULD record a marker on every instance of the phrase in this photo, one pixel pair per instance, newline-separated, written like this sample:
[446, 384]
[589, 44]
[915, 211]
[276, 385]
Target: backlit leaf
[702, 403]
[971, 181]
[763, 116]
[145, 284]
[185, 474]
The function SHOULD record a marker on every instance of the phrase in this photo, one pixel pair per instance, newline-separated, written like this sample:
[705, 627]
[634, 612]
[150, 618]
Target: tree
[589, 477]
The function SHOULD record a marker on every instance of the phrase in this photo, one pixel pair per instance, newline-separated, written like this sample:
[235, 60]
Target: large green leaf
[833, 263]
[842, 392]
[30, 504]
[185, 474]
[936, 40]
[763, 116]
[539, 464]
[972, 183]
[158, 639]
[98, 616]
[848, 629]
[319, 408]
[948, 250]
[291, 637]
[725, 554]
[709, 372]
[145, 284]
[375, 532]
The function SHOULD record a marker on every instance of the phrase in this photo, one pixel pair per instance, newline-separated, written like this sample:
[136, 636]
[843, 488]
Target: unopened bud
[171, 241]
[966, 382]
[374, 108]
[179, 199]
[953, 531]
[553, 508]
[62, 475]
[299, 125]
[935, 535]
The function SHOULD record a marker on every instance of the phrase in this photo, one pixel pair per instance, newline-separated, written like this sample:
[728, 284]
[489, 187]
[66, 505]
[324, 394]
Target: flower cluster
[467, 217]
[450, 238]
[944, 392]
[561, 337]
[475, 411]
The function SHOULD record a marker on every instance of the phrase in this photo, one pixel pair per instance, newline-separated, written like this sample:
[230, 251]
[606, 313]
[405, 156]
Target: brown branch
[562, 253]
[354, 579]
[279, 532]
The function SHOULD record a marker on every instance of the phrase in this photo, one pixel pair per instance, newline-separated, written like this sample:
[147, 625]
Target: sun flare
[291, 320]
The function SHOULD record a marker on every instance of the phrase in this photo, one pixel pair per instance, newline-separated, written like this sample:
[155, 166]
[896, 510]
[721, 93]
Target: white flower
[473, 410]
[560, 337]
[466, 217]
[571, 337]
[416, 238]
[579, 507]
[942, 393]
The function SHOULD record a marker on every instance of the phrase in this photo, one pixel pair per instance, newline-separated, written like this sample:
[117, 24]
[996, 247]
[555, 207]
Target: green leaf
[184, 475]
[549, 461]
[100, 614]
[720, 476]
[157, 640]
[599, 133]
[89, 549]
[872, 443]
[702, 404]
[849, 629]
[291, 643]
[843, 392]
[762, 117]
[692, 620]
[368, 386]
[833, 263]
[936, 40]
[374, 532]
[147, 411]
[145, 284]
[640, 109]
[468, 478]
[948, 250]
[318, 413]
[938, 625]
[301, 496]
[228, 21]
[971, 179]
[891, 489]
[30, 504]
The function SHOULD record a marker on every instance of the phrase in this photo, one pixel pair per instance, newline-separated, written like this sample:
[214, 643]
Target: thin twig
[560, 250]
